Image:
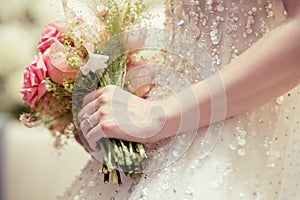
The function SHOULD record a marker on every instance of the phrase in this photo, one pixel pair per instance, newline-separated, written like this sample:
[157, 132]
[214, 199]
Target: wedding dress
[257, 153]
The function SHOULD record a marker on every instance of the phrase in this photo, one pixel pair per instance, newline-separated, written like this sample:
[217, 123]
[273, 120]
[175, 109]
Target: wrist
[170, 117]
[182, 112]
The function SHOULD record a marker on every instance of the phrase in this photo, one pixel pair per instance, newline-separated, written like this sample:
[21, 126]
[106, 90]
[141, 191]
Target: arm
[263, 72]
[267, 69]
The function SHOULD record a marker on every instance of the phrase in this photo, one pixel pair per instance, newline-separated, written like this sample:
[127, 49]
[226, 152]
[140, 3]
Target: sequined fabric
[257, 154]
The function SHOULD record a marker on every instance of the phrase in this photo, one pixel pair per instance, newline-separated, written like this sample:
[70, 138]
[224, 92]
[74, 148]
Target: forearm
[263, 72]
[266, 70]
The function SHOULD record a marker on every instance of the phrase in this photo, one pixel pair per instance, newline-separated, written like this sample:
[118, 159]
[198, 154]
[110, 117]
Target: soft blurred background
[31, 169]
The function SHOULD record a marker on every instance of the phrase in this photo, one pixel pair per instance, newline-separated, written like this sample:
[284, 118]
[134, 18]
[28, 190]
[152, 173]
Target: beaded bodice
[224, 27]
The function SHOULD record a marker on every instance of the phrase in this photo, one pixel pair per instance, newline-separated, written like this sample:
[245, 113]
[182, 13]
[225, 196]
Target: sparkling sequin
[215, 36]
[242, 152]
[280, 99]
[241, 142]
[233, 146]
[247, 162]
[180, 23]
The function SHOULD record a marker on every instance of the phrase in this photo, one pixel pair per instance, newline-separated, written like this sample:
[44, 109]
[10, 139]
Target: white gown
[257, 155]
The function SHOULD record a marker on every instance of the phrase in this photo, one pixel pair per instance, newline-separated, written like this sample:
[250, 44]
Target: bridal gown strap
[257, 155]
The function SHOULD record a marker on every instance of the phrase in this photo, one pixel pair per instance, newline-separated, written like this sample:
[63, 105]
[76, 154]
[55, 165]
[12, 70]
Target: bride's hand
[115, 113]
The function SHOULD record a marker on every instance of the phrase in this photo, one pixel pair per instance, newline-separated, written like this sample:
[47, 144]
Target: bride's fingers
[92, 139]
[95, 103]
[95, 147]
[96, 116]
[85, 127]
[93, 136]
[90, 108]
[91, 96]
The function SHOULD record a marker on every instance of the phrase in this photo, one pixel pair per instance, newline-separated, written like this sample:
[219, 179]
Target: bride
[254, 45]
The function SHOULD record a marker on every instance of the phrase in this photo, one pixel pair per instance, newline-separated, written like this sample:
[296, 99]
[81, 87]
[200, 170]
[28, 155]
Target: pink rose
[34, 86]
[50, 34]
[57, 64]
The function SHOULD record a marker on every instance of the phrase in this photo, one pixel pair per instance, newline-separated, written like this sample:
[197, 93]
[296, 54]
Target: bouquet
[72, 61]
